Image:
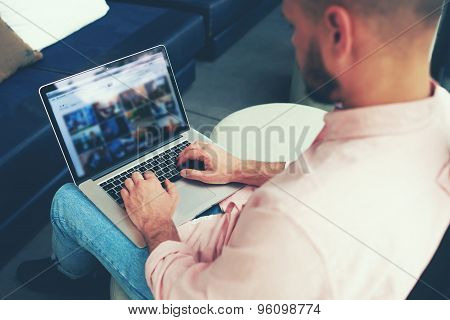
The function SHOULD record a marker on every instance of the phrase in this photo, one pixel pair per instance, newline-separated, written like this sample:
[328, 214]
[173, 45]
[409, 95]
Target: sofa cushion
[218, 14]
[21, 111]
[126, 29]
[14, 52]
[40, 27]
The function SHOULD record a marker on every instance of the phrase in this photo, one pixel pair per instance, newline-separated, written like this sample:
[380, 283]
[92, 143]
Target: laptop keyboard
[164, 166]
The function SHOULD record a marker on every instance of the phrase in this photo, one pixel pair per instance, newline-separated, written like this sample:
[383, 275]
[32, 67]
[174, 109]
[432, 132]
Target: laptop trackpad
[192, 196]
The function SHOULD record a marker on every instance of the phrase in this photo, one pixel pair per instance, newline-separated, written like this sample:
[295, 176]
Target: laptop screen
[117, 111]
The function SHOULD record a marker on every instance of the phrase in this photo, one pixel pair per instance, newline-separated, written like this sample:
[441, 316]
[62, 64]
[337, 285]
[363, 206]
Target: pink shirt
[362, 224]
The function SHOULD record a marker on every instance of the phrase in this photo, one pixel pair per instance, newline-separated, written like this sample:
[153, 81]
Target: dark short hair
[430, 9]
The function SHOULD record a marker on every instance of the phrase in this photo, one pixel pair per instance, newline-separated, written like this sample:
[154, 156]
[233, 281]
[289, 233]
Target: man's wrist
[238, 175]
[158, 231]
[256, 173]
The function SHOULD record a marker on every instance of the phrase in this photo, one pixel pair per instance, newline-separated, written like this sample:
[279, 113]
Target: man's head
[341, 42]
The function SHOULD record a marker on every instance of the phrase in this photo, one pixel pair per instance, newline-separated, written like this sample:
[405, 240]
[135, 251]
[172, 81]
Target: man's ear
[338, 32]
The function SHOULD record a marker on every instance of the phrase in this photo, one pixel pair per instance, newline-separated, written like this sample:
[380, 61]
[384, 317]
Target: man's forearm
[158, 232]
[257, 173]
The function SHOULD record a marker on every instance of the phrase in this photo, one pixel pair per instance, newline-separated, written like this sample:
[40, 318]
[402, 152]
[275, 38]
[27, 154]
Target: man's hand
[220, 166]
[150, 207]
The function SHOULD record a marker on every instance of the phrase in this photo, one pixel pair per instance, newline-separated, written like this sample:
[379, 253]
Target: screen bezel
[51, 87]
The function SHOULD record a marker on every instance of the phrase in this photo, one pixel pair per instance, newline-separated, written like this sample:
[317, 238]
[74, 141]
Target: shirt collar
[379, 120]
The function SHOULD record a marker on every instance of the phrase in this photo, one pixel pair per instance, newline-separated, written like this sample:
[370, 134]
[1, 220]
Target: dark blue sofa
[31, 164]
[225, 20]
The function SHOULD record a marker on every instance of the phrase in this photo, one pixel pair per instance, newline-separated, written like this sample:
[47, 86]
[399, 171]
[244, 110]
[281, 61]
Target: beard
[320, 84]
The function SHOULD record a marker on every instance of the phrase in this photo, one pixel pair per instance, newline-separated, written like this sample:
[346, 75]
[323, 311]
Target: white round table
[271, 132]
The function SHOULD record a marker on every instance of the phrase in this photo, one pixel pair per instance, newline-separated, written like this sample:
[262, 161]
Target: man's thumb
[192, 174]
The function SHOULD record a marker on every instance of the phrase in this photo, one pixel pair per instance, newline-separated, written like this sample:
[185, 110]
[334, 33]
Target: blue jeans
[83, 236]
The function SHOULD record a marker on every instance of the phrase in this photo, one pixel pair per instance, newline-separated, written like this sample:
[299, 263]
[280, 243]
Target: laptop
[121, 117]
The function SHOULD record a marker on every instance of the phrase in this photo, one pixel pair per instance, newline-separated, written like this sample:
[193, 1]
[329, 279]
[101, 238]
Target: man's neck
[394, 86]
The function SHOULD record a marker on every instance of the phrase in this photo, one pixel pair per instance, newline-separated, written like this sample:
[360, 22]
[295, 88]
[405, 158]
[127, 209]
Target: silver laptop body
[121, 117]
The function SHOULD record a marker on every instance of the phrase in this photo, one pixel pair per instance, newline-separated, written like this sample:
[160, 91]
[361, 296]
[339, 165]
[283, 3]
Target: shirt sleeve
[267, 257]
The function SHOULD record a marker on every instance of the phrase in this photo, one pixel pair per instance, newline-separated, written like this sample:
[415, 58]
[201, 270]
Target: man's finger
[136, 176]
[148, 175]
[203, 144]
[195, 175]
[153, 179]
[193, 146]
[124, 194]
[193, 154]
[129, 184]
[171, 188]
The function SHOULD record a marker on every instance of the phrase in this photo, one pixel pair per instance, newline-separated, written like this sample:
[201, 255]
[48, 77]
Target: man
[362, 223]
